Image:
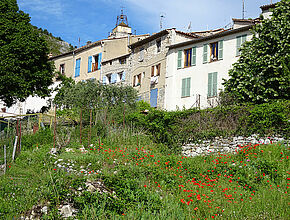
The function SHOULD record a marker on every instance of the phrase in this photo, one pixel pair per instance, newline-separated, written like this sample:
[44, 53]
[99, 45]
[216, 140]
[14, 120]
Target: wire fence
[82, 127]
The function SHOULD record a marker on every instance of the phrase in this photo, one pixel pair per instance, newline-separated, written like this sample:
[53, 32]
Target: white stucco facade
[199, 73]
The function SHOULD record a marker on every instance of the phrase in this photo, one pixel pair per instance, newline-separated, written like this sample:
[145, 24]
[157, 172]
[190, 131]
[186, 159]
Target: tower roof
[122, 19]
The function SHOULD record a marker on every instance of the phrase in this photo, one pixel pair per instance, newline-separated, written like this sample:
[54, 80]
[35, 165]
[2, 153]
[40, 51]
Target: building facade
[148, 64]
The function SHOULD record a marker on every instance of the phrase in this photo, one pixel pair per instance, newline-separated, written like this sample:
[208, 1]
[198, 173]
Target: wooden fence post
[5, 165]
[14, 148]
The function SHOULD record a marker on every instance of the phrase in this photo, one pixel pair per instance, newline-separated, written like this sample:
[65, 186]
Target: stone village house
[170, 69]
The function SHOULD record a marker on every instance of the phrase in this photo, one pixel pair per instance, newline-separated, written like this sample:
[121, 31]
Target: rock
[91, 188]
[66, 211]
[44, 210]
[53, 151]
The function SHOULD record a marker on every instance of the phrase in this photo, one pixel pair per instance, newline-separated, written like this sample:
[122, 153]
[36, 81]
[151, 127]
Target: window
[122, 76]
[141, 54]
[137, 80]
[189, 58]
[78, 67]
[90, 62]
[155, 70]
[216, 51]
[185, 88]
[240, 40]
[61, 69]
[122, 60]
[205, 53]
[96, 62]
[114, 78]
[212, 85]
[158, 45]
[179, 59]
[153, 97]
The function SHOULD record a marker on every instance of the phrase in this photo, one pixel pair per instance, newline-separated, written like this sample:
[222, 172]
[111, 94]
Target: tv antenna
[162, 17]
[243, 13]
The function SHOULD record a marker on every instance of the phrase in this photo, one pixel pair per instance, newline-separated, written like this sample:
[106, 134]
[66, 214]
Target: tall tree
[24, 66]
[262, 72]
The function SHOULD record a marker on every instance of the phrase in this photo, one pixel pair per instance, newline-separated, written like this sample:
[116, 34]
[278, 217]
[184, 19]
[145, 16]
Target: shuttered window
[240, 40]
[212, 84]
[90, 59]
[179, 59]
[220, 49]
[78, 67]
[153, 97]
[123, 76]
[205, 53]
[99, 60]
[193, 56]
[185, 87]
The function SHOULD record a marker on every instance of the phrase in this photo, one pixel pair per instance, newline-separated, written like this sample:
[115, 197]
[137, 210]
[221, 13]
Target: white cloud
[43, 7]
[179, 13]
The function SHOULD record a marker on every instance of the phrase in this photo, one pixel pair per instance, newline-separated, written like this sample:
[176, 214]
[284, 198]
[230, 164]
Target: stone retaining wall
[227, 145]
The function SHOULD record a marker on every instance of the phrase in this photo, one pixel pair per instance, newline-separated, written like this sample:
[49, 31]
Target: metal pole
[20, 137]
[54, 132]
[17, 132]
[14, 148]
[89, 139]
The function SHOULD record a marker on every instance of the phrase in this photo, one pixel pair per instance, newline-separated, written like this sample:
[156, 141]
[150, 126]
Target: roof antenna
[243, 13]
[162, 16]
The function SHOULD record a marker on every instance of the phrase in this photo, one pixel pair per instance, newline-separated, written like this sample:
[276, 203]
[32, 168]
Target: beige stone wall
[151, 58]
[114, 66]
[69, 62]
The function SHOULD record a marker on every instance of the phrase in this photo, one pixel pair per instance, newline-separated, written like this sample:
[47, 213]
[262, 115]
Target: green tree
[24, 66]
[262, 72]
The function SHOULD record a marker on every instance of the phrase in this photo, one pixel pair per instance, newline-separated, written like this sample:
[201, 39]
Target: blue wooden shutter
[90, 59]
[104, 80]
[99, 61]
[123, 76]
[205, 53]
[153, 97]
[193, 56]
[220, 49]
[239, 42]
[209, 86]
[114, 78]
[214, 84]
[77, 67]
[179, 59]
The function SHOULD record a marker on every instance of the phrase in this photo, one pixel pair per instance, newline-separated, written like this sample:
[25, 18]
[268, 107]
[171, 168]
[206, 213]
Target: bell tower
[122, 28]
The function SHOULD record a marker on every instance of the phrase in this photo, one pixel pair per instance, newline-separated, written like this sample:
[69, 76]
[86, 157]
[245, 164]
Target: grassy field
[144, 181]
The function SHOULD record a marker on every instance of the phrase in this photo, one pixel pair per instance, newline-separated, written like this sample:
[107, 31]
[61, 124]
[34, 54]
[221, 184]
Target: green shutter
[187, 91]
[183, 87]
[205, 49]
[244, 39]
[220, 47]
[193, 56]
[179, 59]
[214, 84]
[239, 42]
[209, 85]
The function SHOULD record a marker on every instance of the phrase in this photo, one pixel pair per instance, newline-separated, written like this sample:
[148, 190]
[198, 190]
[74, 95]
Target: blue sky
[92, 20]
